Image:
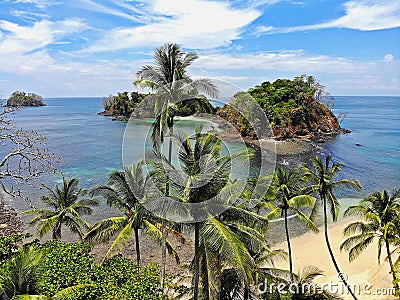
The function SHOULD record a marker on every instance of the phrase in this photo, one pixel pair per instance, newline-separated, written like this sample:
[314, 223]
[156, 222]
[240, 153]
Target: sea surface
[90, 145]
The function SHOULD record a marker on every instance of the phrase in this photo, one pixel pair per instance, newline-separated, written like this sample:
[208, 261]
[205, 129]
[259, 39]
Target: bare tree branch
[23, 156]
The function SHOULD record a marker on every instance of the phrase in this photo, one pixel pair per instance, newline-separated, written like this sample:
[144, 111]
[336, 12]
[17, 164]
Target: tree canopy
[19, 98]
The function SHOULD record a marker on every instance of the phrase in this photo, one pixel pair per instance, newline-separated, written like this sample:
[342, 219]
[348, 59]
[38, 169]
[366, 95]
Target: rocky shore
[114, 116]
[10, 222]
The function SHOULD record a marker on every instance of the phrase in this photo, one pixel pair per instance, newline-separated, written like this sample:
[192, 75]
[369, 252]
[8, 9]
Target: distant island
[121, 106]
[297, 108]
[18, 99]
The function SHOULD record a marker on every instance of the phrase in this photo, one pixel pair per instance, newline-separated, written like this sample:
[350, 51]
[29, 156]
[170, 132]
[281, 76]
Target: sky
[94, 48]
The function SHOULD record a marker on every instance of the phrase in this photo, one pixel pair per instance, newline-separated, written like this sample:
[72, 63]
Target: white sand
[310, 249]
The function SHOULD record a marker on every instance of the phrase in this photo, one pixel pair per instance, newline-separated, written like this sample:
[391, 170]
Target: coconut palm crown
[67, 207]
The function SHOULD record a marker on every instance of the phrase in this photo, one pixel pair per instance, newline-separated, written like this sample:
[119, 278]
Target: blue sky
[94, 48]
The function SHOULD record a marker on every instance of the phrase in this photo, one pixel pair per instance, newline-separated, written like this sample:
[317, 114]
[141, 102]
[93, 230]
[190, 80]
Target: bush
[9, 245]
[120, 279]
[64, 265]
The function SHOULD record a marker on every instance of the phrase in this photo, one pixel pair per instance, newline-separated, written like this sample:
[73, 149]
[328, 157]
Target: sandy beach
[372, 279]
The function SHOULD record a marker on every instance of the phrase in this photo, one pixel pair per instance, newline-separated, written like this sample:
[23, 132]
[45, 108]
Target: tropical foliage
[67, 207]
[9, 245]
[126, 191]
[288, 196]
[57, 270]
[174, 91]
[231, 254]
[294, 108]
[219, 242]
[25, 99]
[20, 275]
[380, 221]
[123, 104]
[323, 177]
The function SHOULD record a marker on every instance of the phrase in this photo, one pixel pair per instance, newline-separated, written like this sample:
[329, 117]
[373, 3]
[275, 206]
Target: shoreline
[284, 146]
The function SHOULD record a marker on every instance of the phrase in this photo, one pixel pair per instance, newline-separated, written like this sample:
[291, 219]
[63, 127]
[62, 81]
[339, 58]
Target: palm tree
[223, 228]
[125, 191]
[225, 245]
[307, 289]
[170, 80]
[323, 178]
[380, 213]
[287, 189]
[21, 273]
[66, 209]
[207, 173]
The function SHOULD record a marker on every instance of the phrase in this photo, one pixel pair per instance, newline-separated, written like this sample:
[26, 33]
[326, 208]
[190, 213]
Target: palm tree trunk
[137, 246]
[57, 231]
[389, 255]
[163, 229]
[288, 245]
[163, 253]
[342, 278]
[196, 261]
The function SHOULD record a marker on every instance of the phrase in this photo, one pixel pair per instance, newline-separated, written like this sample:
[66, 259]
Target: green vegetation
[287, 190]
[122, 104]
[174, 89]
[322, 177]
[66, 209]
[9, 245]
[294, 108]
[18, 99]
[231, 252]
[58, 270]
[380, 220]
[126, 191]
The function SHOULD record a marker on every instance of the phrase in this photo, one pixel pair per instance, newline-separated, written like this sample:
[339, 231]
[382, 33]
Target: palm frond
[105, 230]
[123, 237]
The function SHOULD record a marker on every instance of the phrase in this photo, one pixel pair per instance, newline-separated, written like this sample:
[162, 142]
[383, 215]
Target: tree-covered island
[19, 98]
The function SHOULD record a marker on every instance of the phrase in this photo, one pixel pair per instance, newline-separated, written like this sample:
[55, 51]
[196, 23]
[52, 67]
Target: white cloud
[22, 48]
[194, 24]
[294, 61]
[29, 15]
[363, 15]
[94, 6]
[388, 57]
[369, 15]
[42, 4]
[341, 76]
[19, 38]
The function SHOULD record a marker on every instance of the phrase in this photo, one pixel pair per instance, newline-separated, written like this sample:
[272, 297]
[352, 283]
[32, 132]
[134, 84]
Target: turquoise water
[375, 124]
[91, 145]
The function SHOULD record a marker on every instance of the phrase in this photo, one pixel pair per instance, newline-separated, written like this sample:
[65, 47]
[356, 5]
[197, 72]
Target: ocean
[90, 145]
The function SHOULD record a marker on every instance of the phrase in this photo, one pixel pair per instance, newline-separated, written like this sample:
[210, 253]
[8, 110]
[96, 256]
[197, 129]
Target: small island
[298, 108]
[18, 99]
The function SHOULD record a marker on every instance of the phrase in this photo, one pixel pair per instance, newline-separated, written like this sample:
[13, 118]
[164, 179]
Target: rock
[10, 223]
[321, 141]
